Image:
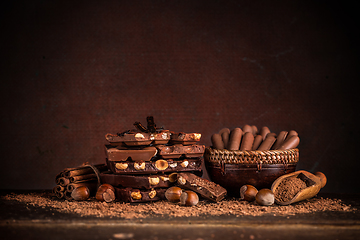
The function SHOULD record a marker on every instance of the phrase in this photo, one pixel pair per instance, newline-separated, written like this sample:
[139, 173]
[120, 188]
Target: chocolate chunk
[154, 167]
[134, 154]
[184, 138]
[136, 138]
[134, 195]
[207, 189]
[138, 181]
[178, 150]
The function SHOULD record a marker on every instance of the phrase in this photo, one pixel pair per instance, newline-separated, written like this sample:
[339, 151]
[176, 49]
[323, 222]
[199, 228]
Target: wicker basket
[232, 169]
[222, 156]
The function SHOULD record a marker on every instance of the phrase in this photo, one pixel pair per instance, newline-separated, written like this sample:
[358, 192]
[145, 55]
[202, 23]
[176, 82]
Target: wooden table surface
[21, 221]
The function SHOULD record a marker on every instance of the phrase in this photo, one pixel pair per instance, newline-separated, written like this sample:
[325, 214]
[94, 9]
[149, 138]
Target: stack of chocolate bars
[143, 163]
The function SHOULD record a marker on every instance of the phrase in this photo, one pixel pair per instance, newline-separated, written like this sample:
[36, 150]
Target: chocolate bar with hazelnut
[207, 189]
[138, 181]
[156, 166]
[184, 138]
[137, 138]
[136, 154]
[134, 195]
[178, 150]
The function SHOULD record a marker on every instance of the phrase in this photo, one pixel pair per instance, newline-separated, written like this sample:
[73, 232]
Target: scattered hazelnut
[248, 193]
[154, 180]
[173, 194]
[189, 198]
[164, 178]
[139, 135]
[185, 163]
[136, 195]
[80, 193]
[139, 165]
[106, 193]
[121, 166]
[173, 165]
[152, 193]
[161, 164]
[265, 197]
[181, 180]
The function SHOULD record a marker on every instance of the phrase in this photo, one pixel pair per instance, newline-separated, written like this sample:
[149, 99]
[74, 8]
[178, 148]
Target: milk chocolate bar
[135, 154]
[154, 167]
[207, 189]
[178, 150]
[138, 181]
[134, 195]
[184, 138]
[136, 138]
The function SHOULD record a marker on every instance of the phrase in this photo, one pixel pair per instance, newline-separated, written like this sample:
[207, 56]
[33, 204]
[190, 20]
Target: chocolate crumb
[232, 206]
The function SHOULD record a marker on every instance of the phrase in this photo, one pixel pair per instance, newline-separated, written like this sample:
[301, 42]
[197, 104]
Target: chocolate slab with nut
[136, 138]
[136, 154]
[134, 195]
[207, 189]
[138, 181]
[155, 167]
[179, 150]
[184, 138]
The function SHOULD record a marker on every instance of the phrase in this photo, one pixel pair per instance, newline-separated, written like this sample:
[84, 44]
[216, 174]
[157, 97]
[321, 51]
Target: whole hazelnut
[106, 193]
[265, 197]
[189, 198]
[80, 193]
[173, 194]
[248, 193]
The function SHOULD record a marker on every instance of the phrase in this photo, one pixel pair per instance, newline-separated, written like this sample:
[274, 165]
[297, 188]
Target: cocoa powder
[233, 206]
[288, 188]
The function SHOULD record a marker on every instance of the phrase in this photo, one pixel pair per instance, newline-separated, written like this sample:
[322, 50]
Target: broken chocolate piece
[134, 195]
[207, 189]
[134, 154]
[137, 181]
[184, 138]
[178, 150]
[136, 138]
[154, 167]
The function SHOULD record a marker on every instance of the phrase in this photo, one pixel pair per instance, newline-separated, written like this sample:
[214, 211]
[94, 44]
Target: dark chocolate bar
[178, 150]
[184, 138]
[136, 138]
[134, 154]
[134, 195]
[138, 181]
[207, 189]
[154, 167]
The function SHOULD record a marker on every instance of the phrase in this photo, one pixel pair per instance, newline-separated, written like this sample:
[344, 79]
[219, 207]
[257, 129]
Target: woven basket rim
[224, 156]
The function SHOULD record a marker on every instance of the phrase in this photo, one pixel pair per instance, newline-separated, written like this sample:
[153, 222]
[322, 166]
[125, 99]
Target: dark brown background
[72, 71]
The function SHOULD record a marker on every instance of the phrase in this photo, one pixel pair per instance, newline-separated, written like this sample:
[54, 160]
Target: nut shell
[80, 193]
[106, 193]
[173, 194]
[248, 193]
[265, 197]
[189, 198]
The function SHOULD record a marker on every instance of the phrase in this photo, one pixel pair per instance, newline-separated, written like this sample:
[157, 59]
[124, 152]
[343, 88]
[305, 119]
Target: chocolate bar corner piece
[184, 138]
[132, 138]
[136, 154]
[207, 189]
[134, 195]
